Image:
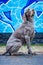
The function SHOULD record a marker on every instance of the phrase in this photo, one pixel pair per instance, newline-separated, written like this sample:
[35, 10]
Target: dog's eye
[32, 15]
[33, 10]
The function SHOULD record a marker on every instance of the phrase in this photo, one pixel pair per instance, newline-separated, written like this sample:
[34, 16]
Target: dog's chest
[26, 28]
[29, 28]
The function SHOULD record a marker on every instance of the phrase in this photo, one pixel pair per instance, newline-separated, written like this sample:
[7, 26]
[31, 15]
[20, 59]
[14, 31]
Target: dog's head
[29, 14]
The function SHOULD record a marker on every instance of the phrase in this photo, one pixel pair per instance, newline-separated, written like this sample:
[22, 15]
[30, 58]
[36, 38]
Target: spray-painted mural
[12, 10]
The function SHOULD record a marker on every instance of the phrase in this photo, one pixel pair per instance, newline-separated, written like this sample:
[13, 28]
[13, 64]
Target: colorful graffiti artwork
[12, 10]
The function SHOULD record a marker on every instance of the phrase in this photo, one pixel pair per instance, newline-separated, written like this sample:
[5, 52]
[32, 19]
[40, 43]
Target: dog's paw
[32, 53]
[18, 54]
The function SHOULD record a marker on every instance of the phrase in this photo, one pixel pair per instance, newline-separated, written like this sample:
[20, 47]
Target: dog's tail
[6, 52]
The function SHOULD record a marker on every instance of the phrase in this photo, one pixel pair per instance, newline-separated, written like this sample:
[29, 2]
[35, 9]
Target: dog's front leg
[27, 38]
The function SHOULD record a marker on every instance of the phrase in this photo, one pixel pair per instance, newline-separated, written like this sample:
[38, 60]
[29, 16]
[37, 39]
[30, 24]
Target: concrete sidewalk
[22, 60]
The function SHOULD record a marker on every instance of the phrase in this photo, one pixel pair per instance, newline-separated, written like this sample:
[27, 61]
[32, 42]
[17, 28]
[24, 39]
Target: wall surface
[11, 12]
[37, 39]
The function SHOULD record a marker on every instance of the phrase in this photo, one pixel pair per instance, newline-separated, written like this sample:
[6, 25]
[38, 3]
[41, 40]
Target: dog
[22, 35]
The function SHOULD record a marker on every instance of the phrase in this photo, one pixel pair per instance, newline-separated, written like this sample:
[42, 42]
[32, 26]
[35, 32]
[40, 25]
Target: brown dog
[22, 35]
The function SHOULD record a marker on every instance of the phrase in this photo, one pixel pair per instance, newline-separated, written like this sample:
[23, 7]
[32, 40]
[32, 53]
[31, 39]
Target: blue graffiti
[7, 14]
[3, 1]
[11, 11]
[29, 2]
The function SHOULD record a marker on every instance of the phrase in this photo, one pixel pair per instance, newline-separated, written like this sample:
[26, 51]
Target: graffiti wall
[11, 12]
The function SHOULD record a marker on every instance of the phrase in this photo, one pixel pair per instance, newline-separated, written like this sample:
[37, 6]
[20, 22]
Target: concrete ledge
[35, 48]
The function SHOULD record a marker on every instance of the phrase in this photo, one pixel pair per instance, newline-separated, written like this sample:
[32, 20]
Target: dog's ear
[33, 13]
[27, 14]
[24, 18]
[27, 11]
[33, 10]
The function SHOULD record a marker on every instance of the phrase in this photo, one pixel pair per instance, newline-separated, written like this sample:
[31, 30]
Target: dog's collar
[27, 21]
